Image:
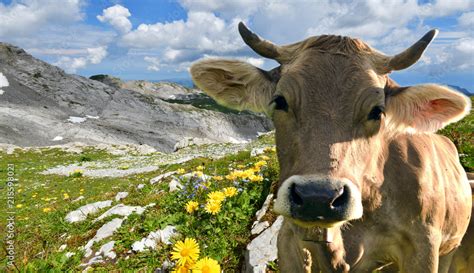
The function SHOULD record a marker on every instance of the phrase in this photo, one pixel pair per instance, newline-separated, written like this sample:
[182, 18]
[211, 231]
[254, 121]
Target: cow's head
[333, 107]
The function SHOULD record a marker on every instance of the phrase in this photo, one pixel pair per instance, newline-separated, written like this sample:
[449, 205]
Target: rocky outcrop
[43, 106]
[108, 80]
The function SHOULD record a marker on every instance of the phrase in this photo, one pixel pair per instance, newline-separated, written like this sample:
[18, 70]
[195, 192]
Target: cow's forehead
[320, 75]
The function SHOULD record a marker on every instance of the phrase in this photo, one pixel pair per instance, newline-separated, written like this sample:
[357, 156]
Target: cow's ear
[425, 108]
[235, 84]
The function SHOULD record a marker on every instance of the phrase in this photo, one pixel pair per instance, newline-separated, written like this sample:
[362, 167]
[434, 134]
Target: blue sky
[153, 40]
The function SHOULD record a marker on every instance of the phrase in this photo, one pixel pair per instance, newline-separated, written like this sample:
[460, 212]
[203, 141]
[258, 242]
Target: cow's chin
[318, 202]
[320, 224]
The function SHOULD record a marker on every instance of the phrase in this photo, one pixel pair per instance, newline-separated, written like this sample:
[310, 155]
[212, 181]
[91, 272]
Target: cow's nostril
[295, 196]
[341, 198]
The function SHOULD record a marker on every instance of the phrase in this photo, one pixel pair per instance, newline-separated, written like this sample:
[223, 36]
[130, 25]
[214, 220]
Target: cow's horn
[261, 46]
[412, 54]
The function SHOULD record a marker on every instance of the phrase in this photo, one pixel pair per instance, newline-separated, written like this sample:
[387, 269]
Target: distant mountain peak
[461, 89]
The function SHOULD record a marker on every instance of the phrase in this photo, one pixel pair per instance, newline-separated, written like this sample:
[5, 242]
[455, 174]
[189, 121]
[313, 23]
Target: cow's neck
[326, 244]
[316, 234]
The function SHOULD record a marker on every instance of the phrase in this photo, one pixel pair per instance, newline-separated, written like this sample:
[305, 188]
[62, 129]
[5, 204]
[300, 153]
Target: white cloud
[97, 54]
[201, 31]
[210, 28]
[57, 51]
[448, 58]
[228, 9]
[467, 19]
[444, 7]
[94, 56]
[23, 17]
[258, 62]
[117, 17]
[154, 63]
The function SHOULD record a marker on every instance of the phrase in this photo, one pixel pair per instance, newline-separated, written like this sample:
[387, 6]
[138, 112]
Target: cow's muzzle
[317, 201]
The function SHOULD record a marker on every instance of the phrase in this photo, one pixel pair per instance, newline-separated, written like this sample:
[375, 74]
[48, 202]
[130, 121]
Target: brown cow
[360, 165]
[463, 260]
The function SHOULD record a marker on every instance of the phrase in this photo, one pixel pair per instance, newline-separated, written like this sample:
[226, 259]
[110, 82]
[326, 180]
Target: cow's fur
[463, 259]
[415, 195]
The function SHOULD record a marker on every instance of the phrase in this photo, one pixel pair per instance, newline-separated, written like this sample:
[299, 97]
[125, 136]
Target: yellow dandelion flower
[256, 178]
[264, 157]
[260, 164]
[19, 190]
[218, 178]
[247, 173]
[46, 209]
[180, 171]
[76, 173]
[235, 174]
[81, 190]
[19, 206]
[181, 269]
[213, 207]
[65, 196]
[34, 196]
[229, 191]
[207, 265]
[200, 168]
[185, 253]
[192, 206]
[255, 169]
[240, 166]
[198, 173]
[216, 196]
[267, 149]
[274, 149]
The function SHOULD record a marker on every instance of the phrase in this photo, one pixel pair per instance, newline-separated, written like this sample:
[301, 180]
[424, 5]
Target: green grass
[39, 234]
[461, 134]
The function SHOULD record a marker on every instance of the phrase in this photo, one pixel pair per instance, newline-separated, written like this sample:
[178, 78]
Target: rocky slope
[42, 105]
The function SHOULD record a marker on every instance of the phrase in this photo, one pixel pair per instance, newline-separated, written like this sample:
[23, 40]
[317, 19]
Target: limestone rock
[261, 212]
[105, 231]
[175, 185]
[263, 248]
[81, 213]
[154, 238]
[258, 227]
[161, 177]
[121, 195]
[123, 210]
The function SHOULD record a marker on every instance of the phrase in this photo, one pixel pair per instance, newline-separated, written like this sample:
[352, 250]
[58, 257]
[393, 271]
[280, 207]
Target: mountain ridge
[44, 106]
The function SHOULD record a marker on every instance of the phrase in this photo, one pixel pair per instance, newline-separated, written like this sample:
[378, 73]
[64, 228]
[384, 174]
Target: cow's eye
[376, 113]
[280, 103]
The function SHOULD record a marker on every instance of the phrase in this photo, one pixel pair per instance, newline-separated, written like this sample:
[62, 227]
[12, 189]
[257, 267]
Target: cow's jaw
[316, 201]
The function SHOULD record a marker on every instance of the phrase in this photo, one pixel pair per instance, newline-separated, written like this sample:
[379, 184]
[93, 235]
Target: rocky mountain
[460, 89]
[42, 105]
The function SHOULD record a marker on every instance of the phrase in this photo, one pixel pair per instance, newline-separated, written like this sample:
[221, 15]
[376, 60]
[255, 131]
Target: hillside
[114, 208]
[42, 105]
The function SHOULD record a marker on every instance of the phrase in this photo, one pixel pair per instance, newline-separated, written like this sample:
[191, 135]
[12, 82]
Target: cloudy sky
[159, 39]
